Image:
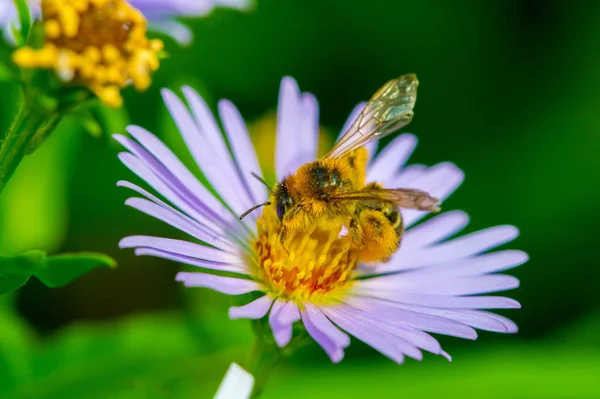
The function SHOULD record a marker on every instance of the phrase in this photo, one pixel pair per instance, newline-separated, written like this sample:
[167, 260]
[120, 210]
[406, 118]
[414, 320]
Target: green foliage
[151, 356]
[6, 74]
[22, 35]
[159, 356]
[53, 271]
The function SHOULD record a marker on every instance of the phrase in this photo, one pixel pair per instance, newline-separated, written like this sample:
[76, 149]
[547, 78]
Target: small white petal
[237, 384]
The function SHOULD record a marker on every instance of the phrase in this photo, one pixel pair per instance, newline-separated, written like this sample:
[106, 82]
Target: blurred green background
[510, 92]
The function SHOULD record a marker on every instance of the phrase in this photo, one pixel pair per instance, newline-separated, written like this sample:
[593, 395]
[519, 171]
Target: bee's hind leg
[375, 236]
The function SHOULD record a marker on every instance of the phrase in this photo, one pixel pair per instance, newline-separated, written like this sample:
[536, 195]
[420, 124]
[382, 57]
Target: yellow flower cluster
[101, 44]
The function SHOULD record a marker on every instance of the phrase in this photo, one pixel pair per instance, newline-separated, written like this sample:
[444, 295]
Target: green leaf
[54, 271]
[16, 271]
[145, 356]
[25, 21]
[61, 269]
[6, 74]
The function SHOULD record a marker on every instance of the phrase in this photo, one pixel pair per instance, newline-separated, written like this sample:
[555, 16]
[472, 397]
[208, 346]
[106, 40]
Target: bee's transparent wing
[387, 111]
[402, 197]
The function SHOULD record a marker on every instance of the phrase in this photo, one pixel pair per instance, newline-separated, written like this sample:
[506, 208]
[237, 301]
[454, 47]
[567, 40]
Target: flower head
[161, 14]
[100, 44]
[431, 284]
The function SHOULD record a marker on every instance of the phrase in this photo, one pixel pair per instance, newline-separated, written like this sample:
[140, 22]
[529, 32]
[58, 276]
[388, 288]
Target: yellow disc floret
[101, 44]
[316, 266]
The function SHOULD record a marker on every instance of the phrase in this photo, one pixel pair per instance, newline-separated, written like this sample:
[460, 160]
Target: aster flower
[99, 44]
[432, 284]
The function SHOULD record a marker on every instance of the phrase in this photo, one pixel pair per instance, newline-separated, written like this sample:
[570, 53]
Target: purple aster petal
[178, 196]
[239, 4]
[181, 247]
[170, 27]
[452, 302]
[256, 309]
[178, 170]
[473, 266]
[210, 129]
[168, 184]
[446, 355]
[332, 348]
[435, 230]
[408, 176]
[173, 7]
[288, 120]
[475, 318]
[179, 221]
[308, 134]
[482, 264]
[389, 161]
[282, 332]
[322, 323]
[440, 181]
[510, 326]
[407, 339]
[218, 233]
[206, 264]
[462, 247]
[184, 8]
[379, 340]
[289, 313]
[225, 285]
[242, 148]
[160, 14]
[404, 315]
[427, 283]
[218, 168]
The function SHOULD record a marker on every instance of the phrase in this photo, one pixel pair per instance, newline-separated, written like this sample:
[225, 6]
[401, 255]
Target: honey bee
[332, 193]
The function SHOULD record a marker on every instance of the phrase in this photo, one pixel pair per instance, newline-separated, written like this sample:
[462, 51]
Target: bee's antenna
[260, 179]
[255, 207]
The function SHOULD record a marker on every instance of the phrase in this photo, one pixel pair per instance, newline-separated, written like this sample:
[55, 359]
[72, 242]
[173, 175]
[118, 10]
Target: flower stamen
[315, 266]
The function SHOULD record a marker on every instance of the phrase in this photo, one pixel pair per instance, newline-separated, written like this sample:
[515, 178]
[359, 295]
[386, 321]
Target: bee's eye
[280, 209]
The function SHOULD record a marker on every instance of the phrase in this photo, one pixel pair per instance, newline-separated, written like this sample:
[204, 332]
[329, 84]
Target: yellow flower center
[101, 44]
[315, 266]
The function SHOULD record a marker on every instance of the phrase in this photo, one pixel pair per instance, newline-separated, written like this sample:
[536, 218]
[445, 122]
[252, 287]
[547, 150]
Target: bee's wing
[387, 111]
[402, 197]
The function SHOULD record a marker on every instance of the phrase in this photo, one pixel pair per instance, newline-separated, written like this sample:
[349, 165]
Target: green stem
[28, 123]
[263, 359]
[43, 133]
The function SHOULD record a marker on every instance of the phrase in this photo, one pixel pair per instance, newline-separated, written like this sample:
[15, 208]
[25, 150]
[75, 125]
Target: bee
[332, 193]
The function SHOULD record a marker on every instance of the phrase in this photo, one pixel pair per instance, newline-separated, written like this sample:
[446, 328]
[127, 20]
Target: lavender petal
[243, 149]
[335, 351]
[256, 309]
[393, 157]
[225, 285]
[282, 332]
